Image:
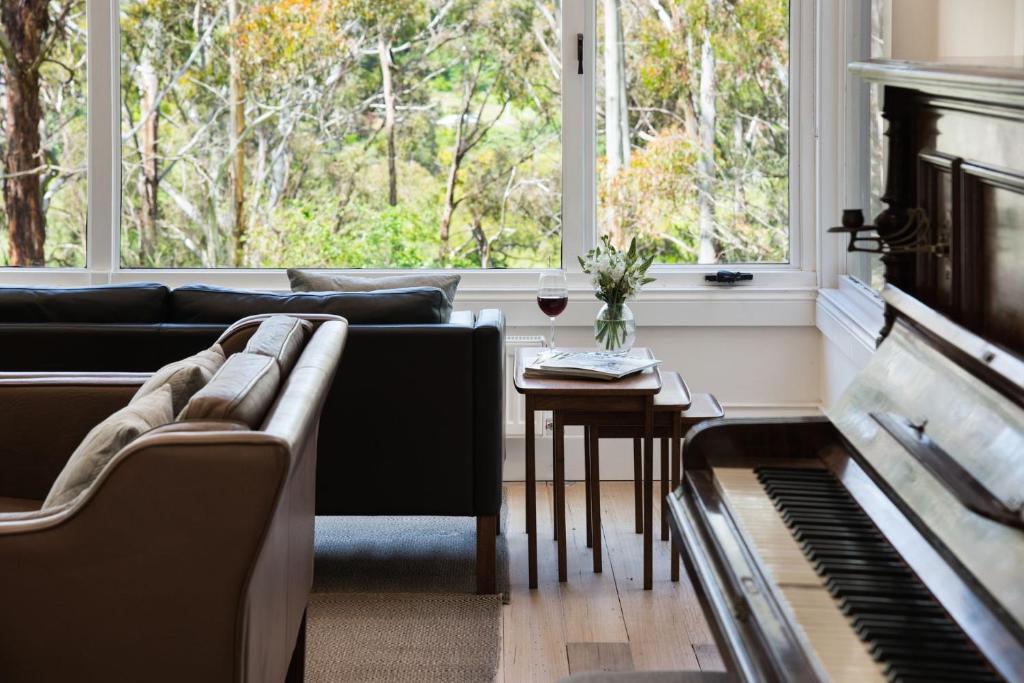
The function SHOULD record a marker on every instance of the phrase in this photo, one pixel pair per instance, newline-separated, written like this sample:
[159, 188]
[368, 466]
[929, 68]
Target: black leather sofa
[414, 421]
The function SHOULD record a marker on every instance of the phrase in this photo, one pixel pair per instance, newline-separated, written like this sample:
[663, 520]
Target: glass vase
[615, 329]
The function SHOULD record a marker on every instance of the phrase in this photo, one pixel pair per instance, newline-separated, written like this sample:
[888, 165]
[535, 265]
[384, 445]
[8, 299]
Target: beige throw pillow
[281, 337]
[309, 281]
[243, 390]
[185, 377]
[105, 440]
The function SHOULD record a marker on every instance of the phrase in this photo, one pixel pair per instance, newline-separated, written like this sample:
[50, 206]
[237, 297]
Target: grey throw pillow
[309, 281]
[281, 337]
[185, 377]
[242, 390]
[105, 440]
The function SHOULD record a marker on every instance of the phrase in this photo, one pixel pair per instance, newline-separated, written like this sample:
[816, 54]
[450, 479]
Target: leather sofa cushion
[144, 303]
[242, 390]
[311, 281]
[185, 377]
[281, 337]
[19, 504]
[199, 304]
[105, 440]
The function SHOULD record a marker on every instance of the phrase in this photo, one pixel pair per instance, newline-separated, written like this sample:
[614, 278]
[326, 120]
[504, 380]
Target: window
[274, 133]
[43, 119]
[693, 128]
[453, 134]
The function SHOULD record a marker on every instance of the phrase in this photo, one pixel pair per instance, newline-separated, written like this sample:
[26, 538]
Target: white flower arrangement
[617, 277]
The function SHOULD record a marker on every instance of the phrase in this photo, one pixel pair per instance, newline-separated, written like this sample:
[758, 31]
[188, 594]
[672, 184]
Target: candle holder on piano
[912, 237]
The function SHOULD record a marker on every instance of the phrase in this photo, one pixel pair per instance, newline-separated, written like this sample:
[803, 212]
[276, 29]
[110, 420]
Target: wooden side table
[590, 403]
[669, 405]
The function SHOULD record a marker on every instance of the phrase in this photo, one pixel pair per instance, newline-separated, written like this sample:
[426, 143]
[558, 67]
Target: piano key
[885, 602]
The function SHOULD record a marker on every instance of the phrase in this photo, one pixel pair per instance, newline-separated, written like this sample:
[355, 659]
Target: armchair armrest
[488, 410]
[45, 416]
[178, 527]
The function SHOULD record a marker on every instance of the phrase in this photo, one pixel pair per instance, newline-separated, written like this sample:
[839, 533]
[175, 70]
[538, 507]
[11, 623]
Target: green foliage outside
[420, 133]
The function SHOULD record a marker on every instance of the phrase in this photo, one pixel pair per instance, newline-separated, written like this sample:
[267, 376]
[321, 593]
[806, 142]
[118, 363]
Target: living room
[294, 298]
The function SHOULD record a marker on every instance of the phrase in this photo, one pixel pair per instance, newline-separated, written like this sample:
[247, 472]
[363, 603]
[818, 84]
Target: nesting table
[593, 404]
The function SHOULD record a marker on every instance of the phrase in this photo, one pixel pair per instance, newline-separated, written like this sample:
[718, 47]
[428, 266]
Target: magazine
[588, 365]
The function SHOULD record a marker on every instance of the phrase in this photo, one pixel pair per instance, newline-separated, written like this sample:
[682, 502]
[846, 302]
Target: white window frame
[680, 295]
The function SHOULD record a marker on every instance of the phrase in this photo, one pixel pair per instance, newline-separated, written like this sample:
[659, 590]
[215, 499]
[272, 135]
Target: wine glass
[552, 297]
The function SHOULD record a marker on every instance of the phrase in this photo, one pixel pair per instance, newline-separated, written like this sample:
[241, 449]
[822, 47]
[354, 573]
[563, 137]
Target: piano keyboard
[905, 629]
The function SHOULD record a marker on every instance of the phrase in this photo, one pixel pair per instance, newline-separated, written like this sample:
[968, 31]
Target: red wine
[552, 305]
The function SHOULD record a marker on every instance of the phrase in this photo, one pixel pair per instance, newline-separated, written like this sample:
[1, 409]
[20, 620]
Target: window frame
[817, 105]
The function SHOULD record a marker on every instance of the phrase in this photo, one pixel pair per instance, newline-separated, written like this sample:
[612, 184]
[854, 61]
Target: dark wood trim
[531, 492]
[664, 487]
[486, 554]
[297, 665]
[595, 483]
[559, 462]
[638, 484]
[649, 494]
[586, 485]
[933, 168]
[677, 464]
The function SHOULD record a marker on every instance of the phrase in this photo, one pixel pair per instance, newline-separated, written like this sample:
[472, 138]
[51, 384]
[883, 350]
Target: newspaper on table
[588, 365]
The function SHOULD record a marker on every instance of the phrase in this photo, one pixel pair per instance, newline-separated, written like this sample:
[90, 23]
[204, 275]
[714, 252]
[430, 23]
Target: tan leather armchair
[190, 559]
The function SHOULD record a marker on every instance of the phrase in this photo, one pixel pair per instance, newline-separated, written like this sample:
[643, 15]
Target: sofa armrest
[45, 416]
[177, 527]
[488, 410]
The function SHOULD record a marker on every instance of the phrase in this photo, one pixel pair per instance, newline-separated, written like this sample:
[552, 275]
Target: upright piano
[886, 540]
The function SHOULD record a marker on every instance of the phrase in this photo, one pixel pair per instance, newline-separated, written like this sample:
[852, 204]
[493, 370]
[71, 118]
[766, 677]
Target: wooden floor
[596, 622]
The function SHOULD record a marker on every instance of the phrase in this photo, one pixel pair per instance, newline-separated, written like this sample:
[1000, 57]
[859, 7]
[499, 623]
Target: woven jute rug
[394, 601]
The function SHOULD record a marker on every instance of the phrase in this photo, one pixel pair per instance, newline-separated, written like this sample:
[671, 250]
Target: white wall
[753, 371]
[982, 31]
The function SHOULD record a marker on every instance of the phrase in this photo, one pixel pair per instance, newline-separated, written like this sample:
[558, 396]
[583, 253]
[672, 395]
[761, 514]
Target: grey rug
[394, 601]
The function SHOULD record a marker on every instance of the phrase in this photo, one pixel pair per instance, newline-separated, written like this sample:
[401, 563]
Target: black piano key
[943, 671]
[889, 608]
[922, 646]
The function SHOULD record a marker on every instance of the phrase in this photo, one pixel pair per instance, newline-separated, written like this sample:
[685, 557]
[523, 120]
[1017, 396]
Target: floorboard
[596, 620]
[599, 657]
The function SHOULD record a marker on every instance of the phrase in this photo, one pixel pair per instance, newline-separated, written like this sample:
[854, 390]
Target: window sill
[777, 297]
[851, 318]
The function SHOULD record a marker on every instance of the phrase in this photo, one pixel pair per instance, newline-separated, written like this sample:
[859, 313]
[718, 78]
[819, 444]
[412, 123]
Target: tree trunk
[386, 67]
[25, 24]
[237, 129]
[706, 168]
[149, 90]
[458, 153]
[483, 245]
[616, 110]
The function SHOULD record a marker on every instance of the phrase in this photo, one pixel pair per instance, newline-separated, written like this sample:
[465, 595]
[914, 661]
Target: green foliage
[477, 133]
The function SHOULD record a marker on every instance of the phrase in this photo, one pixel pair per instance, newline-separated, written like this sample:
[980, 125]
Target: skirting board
[617, 454]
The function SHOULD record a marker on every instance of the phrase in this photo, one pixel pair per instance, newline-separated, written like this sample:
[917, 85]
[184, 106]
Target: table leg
[677, 457]
[595, 482]
[531, 494]
[638, 485]
[559, 448]
[649, 494]
[664, 488]
[586, 482]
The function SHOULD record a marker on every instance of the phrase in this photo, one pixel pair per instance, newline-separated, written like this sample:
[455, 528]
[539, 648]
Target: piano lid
[937, 420]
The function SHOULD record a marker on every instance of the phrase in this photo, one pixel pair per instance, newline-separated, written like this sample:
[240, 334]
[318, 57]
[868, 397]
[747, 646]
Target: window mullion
[103, 145]
[577, 134]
